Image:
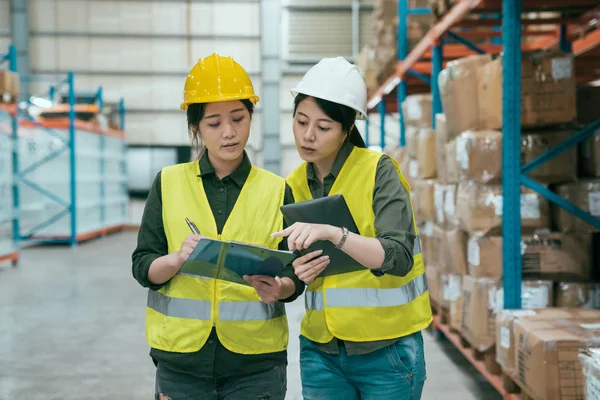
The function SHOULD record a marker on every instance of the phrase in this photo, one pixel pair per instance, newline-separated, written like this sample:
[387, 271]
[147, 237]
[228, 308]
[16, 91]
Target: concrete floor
[72, 328]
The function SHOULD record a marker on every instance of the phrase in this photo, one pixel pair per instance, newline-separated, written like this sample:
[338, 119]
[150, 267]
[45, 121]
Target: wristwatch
[343, 239]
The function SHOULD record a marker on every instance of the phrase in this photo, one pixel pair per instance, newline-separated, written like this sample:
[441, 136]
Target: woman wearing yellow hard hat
[213, 338]
[361, 335]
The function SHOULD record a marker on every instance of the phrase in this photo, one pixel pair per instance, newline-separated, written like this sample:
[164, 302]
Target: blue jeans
[396, 372]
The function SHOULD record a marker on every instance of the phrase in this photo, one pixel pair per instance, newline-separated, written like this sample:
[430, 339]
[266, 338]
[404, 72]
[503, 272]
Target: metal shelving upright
[11, 251]
[433, 46]
[47, 142]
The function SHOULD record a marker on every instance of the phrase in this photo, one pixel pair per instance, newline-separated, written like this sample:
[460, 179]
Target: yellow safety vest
[180, 316]
[358, 306]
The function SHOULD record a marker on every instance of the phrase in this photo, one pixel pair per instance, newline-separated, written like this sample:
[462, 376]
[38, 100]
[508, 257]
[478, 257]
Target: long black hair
[339, 113]
[195, 113]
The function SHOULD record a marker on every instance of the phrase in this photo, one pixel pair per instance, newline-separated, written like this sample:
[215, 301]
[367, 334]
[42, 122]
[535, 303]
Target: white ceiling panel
[169, 55]
[73, 53]
[319, 33]
[290, 160]
[104, 16]
[135, 17]
[256, 134]
[236, 19]
[286, 83]
[43, 53]
[286, 133]
[150, 129]
[42, 15]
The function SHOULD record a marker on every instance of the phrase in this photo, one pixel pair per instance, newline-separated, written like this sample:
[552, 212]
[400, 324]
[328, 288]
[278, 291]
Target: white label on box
[413, 108]
[594, 200]
[454, 287]
[413, 168]
[534, 297]
[438, 199]
[428, 229]
[462, 157]
[561, 68]
[523, 313]
[590, 326]
[449, 207]
[498, 204]
[530, 206]
[496, 299]
[473, 252]
[504, 337]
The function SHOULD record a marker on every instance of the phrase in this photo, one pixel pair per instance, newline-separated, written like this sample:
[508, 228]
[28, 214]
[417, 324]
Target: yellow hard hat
[217, 78]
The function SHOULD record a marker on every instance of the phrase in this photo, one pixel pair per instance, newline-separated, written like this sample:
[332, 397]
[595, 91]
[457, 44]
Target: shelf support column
[12, 66]
[72, 158]
[381, 108]
[511, 152]
[435, 71]
[401, 90]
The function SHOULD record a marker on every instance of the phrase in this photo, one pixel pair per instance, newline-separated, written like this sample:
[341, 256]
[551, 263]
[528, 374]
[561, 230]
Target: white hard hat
[338, 81]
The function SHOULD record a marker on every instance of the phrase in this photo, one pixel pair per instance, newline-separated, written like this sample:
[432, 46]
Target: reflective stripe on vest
[200, 310]
[367, 297]
[417, 246]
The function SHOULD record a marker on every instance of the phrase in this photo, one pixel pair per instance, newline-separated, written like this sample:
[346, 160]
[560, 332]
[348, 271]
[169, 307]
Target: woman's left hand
[269, 289]
[301, 235]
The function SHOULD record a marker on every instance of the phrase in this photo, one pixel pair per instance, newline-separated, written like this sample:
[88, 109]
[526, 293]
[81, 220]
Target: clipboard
[332, 210]
[228, 260]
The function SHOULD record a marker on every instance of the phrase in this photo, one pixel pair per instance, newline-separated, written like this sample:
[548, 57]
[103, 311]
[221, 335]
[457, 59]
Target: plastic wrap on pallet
[547, 354]
[7, 245]
[578, 295]
[479, 208]
[550, 255]
[586, 195]
[483, 298]
[506, 346]
[590, 365]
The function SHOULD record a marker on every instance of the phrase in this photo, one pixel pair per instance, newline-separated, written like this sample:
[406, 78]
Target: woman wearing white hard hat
[361, 335]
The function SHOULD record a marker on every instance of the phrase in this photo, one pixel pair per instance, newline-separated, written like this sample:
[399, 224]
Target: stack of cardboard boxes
[456, 176]
[9, 86]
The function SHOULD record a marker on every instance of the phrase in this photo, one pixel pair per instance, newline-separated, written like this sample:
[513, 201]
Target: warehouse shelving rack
[22, 120]
[429, 56]
[13, 256]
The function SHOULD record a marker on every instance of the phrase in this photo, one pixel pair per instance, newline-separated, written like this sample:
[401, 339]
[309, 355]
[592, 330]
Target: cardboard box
[445, 287]
[441, 137]
[412, 140]
[547, 361]
[452, 169]
[590, 365]
[423, 203]
[419, 110]
[400, 154]
[482, 298]
[432, 274]
[426, 154]
[479, 156]
[438, 240]
[458, 92]
[455, 247]
[547, 90]
[506, 347]
[445, 206]
[547, 256]
[9, 83]
[427, 244]
[589, 156]
[452, 293]
[586, 195]
[578, 295]
[588, 98]
[479, 208]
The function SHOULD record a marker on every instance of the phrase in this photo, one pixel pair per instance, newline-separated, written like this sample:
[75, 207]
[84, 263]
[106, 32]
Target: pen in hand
[192, 226]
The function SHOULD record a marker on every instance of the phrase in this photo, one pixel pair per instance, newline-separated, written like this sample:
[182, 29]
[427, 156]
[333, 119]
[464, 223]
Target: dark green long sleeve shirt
[393, 224]
[213, 360]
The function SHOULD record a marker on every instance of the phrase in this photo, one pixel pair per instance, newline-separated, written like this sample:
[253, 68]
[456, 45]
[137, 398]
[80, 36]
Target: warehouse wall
[311, 30]
[4, 25]
[142, 50]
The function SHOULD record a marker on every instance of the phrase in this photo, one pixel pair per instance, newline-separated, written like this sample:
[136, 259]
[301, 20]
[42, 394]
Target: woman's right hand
[310, 265]
[188, 245]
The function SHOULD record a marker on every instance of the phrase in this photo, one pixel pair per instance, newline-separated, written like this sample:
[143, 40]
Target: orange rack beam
[12, 257]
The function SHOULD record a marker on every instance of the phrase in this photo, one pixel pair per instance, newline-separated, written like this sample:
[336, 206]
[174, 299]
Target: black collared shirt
[213, 360]
[393, 224]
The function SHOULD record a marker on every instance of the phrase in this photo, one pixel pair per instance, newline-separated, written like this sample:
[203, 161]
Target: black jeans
[265, 385]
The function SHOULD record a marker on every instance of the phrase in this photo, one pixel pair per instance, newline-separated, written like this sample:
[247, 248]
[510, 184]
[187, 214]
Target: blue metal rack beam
[511, 153]
[465, 42]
